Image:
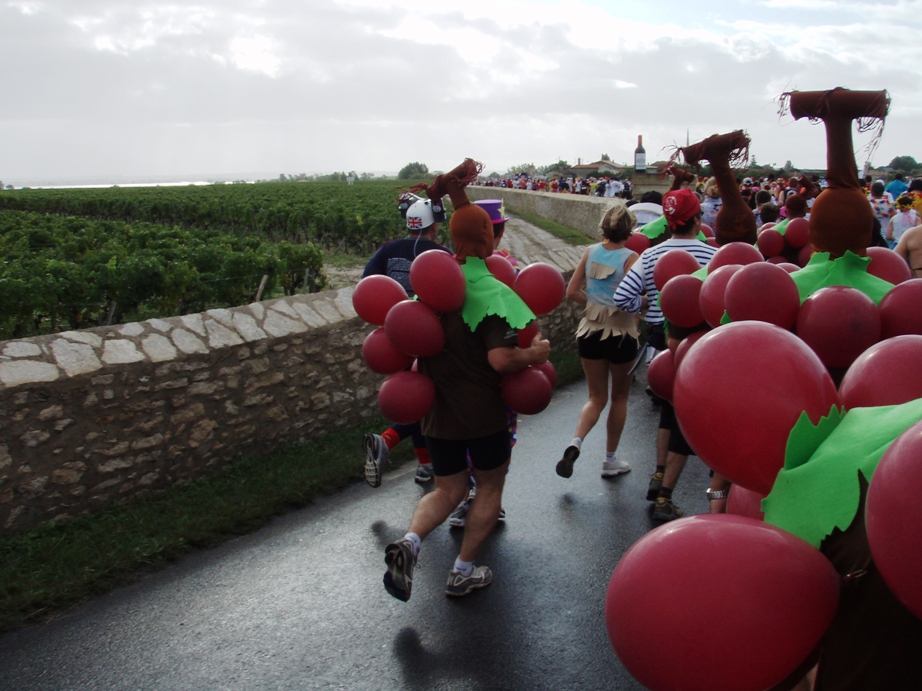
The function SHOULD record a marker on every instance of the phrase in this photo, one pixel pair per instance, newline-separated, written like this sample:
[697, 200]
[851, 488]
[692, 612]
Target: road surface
[300, 604]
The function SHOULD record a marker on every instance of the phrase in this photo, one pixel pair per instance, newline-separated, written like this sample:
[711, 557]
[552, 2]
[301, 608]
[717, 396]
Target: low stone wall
[576, 211]
[96, 416]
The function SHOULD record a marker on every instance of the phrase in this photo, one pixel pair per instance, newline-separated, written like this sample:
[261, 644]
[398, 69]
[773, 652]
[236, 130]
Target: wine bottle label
[640, 161]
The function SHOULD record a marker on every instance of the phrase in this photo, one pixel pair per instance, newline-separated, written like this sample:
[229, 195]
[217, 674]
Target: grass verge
[569, 235]
[48, 570]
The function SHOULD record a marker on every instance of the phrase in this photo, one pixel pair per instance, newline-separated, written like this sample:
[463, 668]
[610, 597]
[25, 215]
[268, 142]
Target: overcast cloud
[105, 90]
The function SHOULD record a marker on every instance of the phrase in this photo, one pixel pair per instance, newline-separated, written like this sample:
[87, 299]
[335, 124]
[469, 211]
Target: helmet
[419, 215]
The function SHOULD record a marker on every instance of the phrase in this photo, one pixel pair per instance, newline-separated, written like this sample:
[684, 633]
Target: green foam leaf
[812, 498]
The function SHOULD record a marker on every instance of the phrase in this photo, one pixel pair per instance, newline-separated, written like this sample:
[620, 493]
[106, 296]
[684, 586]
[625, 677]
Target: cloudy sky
[109, 90]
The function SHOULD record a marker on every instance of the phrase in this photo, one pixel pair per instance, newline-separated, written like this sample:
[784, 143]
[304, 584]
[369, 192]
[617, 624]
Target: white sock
[416, 541]
[463, 567]
[577, 442]
[610, 456]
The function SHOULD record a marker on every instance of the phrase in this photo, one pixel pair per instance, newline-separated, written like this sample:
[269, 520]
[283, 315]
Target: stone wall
[101, 415]
[576, 211]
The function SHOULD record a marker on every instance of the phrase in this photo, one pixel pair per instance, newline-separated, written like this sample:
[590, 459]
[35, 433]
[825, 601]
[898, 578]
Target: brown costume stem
[841, 219]
[735, 220]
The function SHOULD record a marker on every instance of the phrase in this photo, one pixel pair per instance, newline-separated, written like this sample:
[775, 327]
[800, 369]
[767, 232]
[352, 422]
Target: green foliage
[905, 164]
[414, 170]
[69, 272]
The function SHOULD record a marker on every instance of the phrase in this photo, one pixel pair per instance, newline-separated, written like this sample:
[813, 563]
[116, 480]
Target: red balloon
[763, 292]
[707, 231]
[382, 356]
[899, 310]
[766, 226]
[887, 373]
[888, 265]
[679, 300]
[684, 345]
[735, 253]
[713, 293]
[548, 370]
[797, 233]
[405, 397]
[638, 242]
[838, 323]
[777, 595]
[712, 242]
[803, 257]
[661, 374]
[527, 335]
[374, 296]
[790, 268]
[527, 391]
[740, 391]
[745, 502]
[777, 259]
[673, 263]
[770, 242]
[894, 514]
[415, 329]
[437, 280]
[541, 287]
[501, 268]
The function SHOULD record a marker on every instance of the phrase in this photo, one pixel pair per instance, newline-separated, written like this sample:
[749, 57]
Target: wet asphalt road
[300, 604]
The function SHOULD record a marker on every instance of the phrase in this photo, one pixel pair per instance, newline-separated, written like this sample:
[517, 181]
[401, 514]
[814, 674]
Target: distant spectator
[881, 203]
[711, 204]
[904, 219]
[896, 186]
[768, 213]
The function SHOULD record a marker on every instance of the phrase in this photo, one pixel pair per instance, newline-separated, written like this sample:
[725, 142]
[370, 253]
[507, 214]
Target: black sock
[661, 469]
[665, 493]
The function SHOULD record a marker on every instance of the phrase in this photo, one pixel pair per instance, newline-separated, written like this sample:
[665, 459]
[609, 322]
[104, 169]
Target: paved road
[300, 605]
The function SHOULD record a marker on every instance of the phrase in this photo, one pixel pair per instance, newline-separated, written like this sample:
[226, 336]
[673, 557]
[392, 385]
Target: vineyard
[78, 258]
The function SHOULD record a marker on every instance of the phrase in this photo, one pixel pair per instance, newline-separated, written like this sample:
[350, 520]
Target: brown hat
[470, 225]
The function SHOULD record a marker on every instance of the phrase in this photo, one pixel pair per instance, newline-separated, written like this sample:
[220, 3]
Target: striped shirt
[640, 278]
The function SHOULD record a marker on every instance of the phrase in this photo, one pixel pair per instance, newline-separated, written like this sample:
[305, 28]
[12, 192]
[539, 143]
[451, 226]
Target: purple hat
[495, 208]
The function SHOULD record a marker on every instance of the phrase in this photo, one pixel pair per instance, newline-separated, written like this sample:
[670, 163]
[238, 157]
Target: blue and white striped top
[640, 278]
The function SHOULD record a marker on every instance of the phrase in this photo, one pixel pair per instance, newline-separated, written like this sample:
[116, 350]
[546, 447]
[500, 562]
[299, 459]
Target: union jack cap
[414, 222]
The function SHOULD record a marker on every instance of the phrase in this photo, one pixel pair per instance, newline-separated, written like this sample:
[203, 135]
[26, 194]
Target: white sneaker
[616, 467]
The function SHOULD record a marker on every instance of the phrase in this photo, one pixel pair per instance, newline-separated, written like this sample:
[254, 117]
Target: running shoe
[458, 517]
[666, 510]
[376, 454]
[424, 473]
[460, 585]
[656, 483]
[398, 579]
[565, 464]
[612, 468]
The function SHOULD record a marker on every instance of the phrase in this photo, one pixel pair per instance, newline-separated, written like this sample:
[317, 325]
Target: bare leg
[617, 413]
[718, 483]
[675, 463]
[434, 507]
[662, 446]
[597, 382]
[484, 510]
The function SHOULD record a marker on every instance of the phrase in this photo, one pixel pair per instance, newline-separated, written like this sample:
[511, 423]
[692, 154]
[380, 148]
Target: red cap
[679, 206]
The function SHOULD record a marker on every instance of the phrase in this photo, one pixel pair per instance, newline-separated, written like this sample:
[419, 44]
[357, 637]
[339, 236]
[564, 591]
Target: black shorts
[449, 456]
[618, 350]
[656, 336]
[677, 442]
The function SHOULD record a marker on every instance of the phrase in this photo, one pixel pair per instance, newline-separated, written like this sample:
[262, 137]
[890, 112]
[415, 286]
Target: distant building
[606, 167]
